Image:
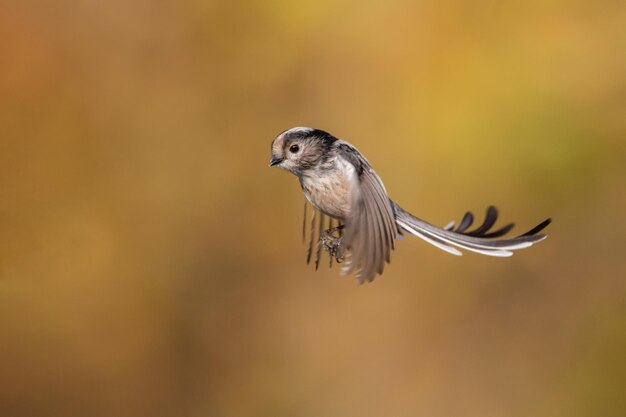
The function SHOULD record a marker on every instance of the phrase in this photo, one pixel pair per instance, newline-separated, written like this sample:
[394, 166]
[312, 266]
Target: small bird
[342, 186]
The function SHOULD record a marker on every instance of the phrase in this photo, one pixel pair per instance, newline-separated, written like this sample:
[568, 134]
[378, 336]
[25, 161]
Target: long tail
[481, 240]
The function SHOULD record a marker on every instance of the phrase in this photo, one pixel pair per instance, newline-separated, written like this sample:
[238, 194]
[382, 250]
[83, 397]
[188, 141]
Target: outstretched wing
[370, 228]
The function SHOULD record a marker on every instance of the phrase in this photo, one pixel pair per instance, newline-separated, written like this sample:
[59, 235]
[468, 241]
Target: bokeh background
[151, 263]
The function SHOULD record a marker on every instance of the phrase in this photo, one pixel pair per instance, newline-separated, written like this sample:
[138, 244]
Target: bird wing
[370, 228]
[317, 225]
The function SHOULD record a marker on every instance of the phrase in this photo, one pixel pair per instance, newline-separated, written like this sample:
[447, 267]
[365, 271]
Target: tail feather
[479, 240]
[429, 238]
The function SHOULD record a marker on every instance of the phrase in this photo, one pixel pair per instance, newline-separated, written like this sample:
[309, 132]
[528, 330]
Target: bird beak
[274, 160]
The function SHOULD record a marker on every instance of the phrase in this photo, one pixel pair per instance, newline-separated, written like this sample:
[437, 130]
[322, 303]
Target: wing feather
[370, 229]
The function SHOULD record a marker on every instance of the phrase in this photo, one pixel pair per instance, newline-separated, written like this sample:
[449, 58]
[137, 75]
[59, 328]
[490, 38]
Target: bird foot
[332, 240]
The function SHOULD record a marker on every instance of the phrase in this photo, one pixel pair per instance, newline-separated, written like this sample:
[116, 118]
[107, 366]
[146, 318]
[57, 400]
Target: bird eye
[294, 148]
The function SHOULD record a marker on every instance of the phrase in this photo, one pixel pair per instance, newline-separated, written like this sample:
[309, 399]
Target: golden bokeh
[151, 263]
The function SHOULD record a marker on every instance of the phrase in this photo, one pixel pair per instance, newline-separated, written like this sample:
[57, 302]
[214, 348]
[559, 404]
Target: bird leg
[331, 240]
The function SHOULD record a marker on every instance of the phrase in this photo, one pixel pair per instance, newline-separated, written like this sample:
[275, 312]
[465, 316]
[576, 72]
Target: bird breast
[329, 188]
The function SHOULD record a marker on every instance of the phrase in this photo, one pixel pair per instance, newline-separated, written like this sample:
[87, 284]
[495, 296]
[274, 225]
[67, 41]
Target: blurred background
[151, 262]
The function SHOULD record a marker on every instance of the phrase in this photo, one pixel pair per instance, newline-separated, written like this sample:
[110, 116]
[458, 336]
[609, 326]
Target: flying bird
[345, 191]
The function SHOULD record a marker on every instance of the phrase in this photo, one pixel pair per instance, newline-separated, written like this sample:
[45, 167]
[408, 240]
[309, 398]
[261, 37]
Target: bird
[343, 188]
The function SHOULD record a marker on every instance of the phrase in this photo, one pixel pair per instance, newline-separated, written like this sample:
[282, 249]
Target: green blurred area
[150, 261]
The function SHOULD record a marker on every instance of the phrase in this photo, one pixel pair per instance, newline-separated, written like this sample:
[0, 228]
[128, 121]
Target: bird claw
[332, 241]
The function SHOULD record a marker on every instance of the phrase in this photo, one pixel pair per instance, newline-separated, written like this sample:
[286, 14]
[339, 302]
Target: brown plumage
[341, 184]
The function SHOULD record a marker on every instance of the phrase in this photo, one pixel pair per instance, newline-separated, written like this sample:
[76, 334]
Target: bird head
[300, 148]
